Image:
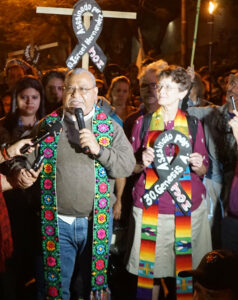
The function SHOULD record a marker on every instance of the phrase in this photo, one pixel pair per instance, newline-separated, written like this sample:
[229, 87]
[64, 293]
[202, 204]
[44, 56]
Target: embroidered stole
[149, 232]
[103, 129]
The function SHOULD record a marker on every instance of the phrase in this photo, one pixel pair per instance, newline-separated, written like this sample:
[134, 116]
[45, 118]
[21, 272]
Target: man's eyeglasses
[81, 90]
[152, 85]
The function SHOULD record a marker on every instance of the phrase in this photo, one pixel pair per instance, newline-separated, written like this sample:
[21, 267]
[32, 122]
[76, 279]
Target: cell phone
[233, 103]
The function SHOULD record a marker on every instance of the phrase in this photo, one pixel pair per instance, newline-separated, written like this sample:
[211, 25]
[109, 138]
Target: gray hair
[154, 67]
[80, 71]
[233, 78]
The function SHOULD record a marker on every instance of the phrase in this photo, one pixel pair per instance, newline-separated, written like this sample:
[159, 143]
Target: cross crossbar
[69, 12]
[41, 47]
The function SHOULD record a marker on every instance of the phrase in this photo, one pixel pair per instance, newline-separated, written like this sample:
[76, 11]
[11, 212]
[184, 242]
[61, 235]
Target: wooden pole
[195, 34]
[85, 58]
[183, 34]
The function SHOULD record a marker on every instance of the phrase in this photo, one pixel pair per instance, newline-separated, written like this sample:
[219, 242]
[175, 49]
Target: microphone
[80, 120]
[51, 129]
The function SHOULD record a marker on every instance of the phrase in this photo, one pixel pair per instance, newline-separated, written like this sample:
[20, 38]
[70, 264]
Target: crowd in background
[126, 95]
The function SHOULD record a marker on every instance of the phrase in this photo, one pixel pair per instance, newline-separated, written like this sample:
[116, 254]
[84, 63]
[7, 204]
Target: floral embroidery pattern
[100, 249]
[49, 230]
[102, 172]
[49, 139]
[103, 127]
[48, 199]
[48, 153]
[104, 141]
[52, 276]
[100, 279]
[102, 203]
[99, 264]
[51, 261]
[50, 246]
[101, 116]
[47, 184]
[48, 168]
[53, 291]
[101, 234]
[102, 218]
[102, 187]
[49, 215]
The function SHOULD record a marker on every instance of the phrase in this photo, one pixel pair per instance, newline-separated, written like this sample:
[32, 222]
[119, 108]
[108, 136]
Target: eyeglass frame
[167, 88]
[82, 90]
[152, 85]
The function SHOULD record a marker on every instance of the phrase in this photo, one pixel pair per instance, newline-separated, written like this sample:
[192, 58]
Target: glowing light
[212, 7]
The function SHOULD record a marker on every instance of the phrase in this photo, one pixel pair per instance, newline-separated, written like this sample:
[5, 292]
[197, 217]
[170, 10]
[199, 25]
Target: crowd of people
[152, 153]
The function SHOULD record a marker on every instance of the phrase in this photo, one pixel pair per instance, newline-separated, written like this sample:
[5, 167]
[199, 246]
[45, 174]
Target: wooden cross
[41, 47]
[86, 21]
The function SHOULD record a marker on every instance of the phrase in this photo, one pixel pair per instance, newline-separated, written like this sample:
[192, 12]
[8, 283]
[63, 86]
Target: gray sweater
[75, 178]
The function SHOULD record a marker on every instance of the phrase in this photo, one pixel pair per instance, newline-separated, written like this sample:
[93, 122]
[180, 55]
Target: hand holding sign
[148, 156]
[87, 38]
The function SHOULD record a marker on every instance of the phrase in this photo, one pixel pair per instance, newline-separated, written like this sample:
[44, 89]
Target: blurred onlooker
[111, 71]
[132, 74]
[119, 95]
[215, 277]
[230, 222]
[148, 84]
[53, 82]
[27, 109]
[148, 80]
[197, 92]
[222, 151]
[14, 70]
[102, 90]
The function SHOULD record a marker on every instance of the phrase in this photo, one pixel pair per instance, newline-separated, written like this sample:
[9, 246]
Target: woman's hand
[25, 178]
[196, 162]
[14, 149]
[148, 156]
[234, 125]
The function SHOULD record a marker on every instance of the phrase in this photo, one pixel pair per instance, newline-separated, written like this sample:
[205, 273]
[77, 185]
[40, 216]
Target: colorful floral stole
[103, 129]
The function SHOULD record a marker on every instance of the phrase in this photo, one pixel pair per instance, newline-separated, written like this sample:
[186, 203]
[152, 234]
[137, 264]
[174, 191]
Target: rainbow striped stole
[183, 248]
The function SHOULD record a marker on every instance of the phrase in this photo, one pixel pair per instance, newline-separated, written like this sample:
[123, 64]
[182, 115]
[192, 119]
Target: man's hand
[14, 149]
[87, 138]
[25, 178]
[117, 210]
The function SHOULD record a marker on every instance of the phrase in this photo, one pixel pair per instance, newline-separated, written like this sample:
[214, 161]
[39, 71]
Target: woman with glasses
[158, 244]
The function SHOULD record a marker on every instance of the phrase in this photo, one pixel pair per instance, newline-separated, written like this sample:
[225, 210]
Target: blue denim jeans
[73, 239]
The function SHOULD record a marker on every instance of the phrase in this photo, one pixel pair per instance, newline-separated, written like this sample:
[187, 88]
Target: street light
[211, 8]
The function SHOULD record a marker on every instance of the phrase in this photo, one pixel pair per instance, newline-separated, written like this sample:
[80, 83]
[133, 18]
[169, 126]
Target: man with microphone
[77, 183]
